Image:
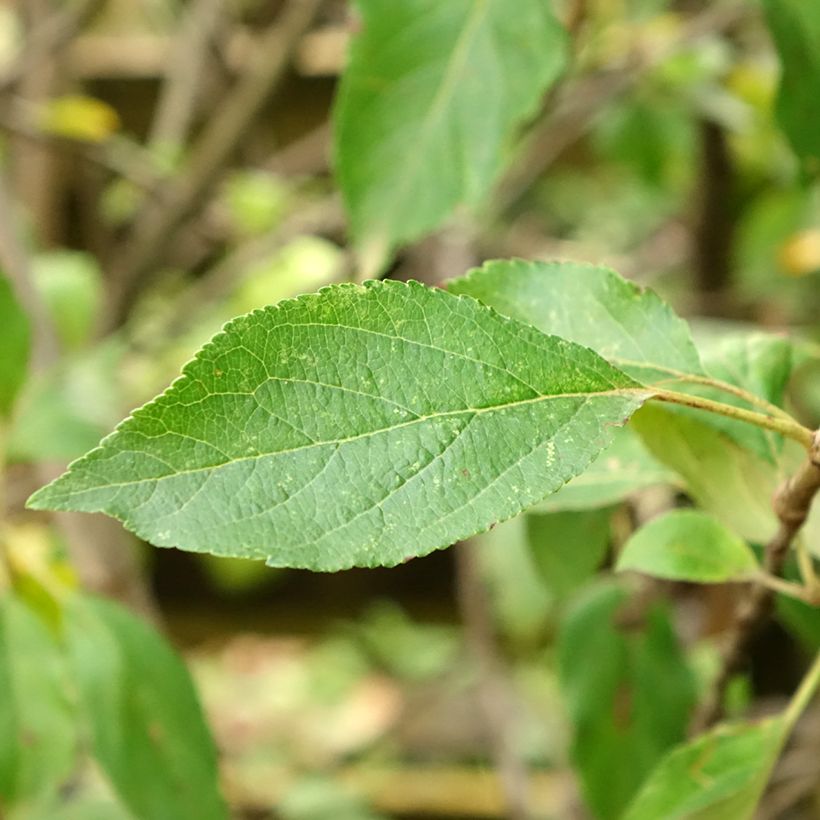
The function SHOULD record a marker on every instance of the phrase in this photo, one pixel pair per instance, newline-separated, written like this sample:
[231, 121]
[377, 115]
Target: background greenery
[167, 166]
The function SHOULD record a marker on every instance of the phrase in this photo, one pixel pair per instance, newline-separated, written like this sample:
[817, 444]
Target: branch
[156, 225]
[493, 690]
[177, 103]
[54, 33]
[580, 102]
[16, 263]
[791, 503]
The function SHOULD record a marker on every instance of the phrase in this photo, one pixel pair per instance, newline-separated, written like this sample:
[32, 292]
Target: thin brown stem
[494, 692]
[177, 102]
[791, 504]
[157, 224]
[51, 36]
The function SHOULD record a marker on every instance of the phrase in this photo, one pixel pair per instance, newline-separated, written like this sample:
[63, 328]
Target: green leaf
[568, 547]
[147, 728]
[521, 605]
[635, 331]
[431, 97]
[360, 426]
[55, 421]
[628, 692]
[37, 719]
[71, 285]
[593, 306]
[624, 468]
[14, 342]
[724, 479]
[757, 362]
[795, 27]
[717, 776]
[688, 545]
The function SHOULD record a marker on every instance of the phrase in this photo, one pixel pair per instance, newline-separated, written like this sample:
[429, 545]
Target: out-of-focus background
[167, 166]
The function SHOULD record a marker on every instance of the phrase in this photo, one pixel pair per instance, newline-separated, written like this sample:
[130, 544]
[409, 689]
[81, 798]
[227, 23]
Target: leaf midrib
[447, 86]
[624, 391]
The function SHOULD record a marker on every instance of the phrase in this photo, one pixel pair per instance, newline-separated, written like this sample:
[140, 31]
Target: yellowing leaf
[800, 254]
[79, 117]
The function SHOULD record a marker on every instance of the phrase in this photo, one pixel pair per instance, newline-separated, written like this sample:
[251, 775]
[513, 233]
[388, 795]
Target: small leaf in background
[38, 724]
[430, 100]
[315, 798]
[70, 283]
[256, 201]
[593, 306]
[717, 776]
[568, 547]
[624, 468]
[360, 426]
[406, 648]
[628, 691]
[14, 342]
[147, 728]
[78, 117]
[800, 254]
[56, 422]
[521, 604]
[688, 545]
[795, 27]
[726, 480]
[306, 263]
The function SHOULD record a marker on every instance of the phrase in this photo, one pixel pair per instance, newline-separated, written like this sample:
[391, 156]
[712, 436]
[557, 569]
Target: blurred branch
[494, 694]
[581, 101]
[16, 262]
[54, 33]
[117, 154]
[177, 102]
[792, 503]
[101, 552]
[322, 218]
[184, 195]
[714, 230]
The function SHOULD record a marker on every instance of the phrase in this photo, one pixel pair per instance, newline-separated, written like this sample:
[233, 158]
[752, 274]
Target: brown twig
[157, 224]
[16, 263]
[177, 102]
[118, 572]
[493, 691]
[714, 231]
[791, 503]
[51, 36]
[579, 102]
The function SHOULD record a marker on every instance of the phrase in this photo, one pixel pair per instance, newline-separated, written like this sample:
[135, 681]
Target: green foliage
[147, 728]
[726, 480]
[431, 97]
[795, 26]
[717, 776]
[568, 547]
[688, 545]
[70, 285]
[14, 342]
[390, 462]
[38, 732]
[593, 306]
[757, 362]
[624, 468]
[628, 691]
